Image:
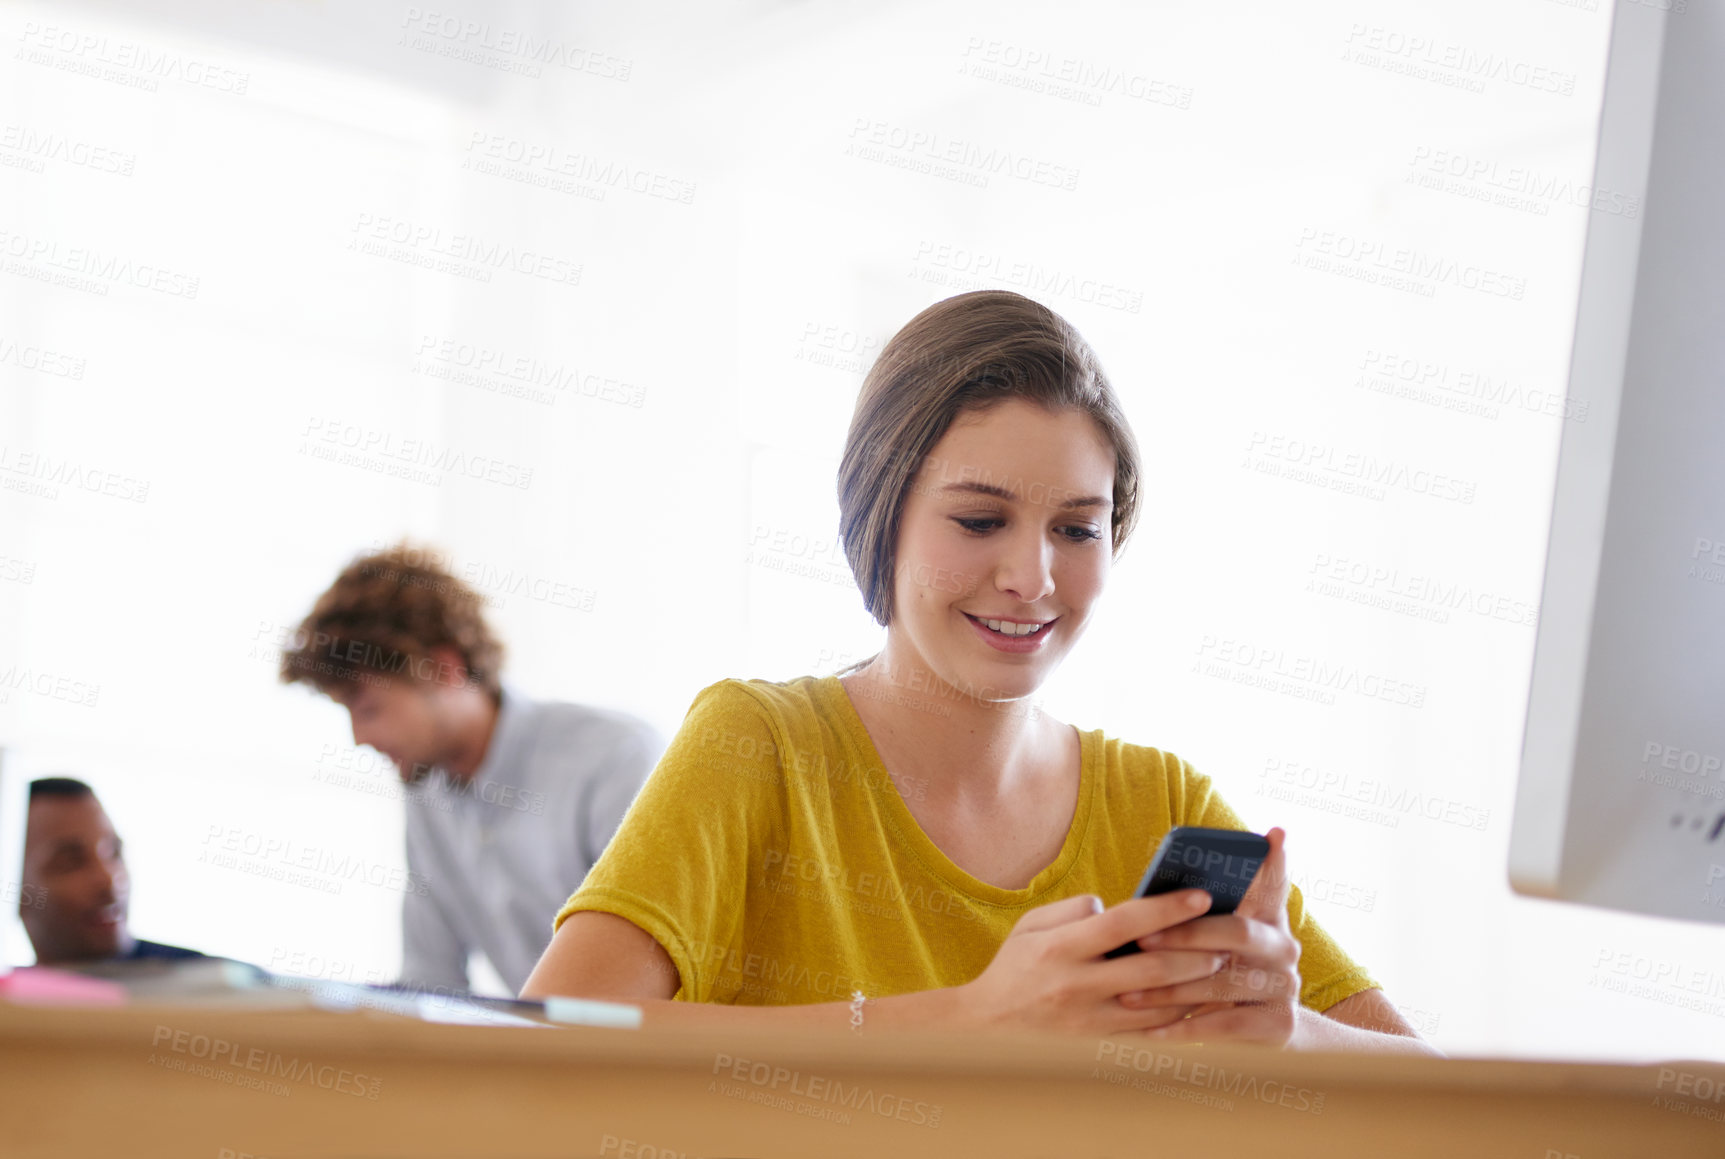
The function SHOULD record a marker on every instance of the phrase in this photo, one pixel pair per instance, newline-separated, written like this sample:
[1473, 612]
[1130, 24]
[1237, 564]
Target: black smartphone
[1221, 862]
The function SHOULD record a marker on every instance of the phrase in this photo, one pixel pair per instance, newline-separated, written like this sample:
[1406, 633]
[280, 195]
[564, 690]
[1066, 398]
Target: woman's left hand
[1256, 996]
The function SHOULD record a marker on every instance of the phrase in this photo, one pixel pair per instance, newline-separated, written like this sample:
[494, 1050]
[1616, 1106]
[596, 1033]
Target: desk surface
[225, 1084]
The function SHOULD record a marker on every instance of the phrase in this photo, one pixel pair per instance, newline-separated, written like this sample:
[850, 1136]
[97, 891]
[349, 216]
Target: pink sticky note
[44, 986]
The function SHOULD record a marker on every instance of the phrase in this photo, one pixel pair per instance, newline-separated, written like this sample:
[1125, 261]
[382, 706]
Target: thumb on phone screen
[1267, 898]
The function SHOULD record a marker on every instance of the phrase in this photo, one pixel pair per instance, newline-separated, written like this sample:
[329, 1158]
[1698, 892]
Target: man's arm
[432, 954]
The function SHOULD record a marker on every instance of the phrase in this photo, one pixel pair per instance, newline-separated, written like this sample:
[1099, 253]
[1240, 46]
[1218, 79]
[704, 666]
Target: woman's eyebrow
[1003, 493]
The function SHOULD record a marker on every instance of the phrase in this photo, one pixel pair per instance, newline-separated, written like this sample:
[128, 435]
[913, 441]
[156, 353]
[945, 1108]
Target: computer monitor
[1621, 796]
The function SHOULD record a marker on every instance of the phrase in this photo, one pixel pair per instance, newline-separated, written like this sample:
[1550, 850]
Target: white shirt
[493, 860]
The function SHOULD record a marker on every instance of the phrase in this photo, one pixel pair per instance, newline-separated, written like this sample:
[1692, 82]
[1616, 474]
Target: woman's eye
[1081, 534]
[977, 525]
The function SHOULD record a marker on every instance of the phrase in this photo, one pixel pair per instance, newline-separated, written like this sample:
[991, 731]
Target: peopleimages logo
[52, 685]
[962, 268]
[475, 364]
[1206, 1076]
[550, 160]
[1289, 780]
[270, 1064]
[1368, 259]
[39, 147]
[964, 157]
[1464, 389]
[1041, 71]
[100, 268]
[764, 1081]
[465, 39]
[418, 460]
[1312, 677]
[472, 254]
[1413, 594]
[1485, 178]
[1328, 461]
[230, 847]
[86, 52]
[1449, 62]
[40, 473]
[41, 361]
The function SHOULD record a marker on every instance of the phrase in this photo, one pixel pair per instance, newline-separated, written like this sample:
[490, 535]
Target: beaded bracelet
[857, 1000]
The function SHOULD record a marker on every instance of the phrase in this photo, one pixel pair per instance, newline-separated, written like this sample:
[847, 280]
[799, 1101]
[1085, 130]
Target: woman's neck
[960, 743]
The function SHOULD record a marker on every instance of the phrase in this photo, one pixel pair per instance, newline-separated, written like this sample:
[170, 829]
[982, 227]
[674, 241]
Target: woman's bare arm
[1049, 974]
[602, 956]
[1364, 1021]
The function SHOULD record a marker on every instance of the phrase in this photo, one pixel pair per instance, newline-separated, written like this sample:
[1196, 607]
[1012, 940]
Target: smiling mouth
[1010, 629]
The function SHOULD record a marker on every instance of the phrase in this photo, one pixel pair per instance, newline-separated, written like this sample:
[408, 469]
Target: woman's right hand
[1050, 973]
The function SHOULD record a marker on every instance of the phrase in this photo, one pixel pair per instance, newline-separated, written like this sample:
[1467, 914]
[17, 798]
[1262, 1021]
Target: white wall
[1196, 195]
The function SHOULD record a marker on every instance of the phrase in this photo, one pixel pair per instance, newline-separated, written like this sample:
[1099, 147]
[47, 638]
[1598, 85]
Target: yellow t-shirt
[775, 861]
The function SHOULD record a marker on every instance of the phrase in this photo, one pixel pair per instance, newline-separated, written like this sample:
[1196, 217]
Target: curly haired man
[521, 795]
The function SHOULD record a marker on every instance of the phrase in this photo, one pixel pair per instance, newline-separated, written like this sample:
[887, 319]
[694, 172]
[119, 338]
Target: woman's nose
[1025, 570]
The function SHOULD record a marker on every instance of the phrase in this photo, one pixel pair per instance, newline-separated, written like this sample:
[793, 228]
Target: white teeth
[1007, 628]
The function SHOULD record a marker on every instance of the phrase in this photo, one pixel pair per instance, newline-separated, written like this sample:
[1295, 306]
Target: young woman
[913, 843]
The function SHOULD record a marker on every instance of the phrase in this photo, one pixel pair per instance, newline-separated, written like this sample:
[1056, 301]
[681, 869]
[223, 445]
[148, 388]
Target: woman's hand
[1050, 973]
[1256, 997]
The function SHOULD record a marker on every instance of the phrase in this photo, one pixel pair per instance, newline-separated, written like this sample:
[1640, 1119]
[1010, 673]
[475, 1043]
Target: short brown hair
[966, 353]
[383, 617]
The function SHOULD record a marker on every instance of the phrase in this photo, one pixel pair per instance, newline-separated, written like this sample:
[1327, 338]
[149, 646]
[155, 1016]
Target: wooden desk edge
[377, 1035]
